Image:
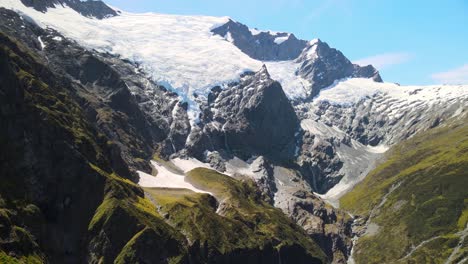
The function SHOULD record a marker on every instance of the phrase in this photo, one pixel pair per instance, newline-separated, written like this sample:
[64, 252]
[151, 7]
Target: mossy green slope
[239, 226]
[428, 207]
[60, 198]
[38, 119]
[126, 228]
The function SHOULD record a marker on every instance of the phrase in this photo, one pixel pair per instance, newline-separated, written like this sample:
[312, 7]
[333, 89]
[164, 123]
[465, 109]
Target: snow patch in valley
[238, 166]
[165, 179]
[189, 164]
[233, 166]
[377, 149]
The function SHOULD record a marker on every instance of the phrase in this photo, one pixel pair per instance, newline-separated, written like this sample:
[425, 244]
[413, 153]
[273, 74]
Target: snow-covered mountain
[296, 116]
[187, 53]
[190, 55]
[365, 118]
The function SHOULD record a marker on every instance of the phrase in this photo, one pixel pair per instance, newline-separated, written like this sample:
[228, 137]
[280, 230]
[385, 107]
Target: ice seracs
[352, 90]
[294, 86]
[178, 51]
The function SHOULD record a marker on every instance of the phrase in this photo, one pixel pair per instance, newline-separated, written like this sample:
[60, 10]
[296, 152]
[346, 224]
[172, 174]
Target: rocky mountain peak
[253, 117]
[323, 65]
[263, 73]
[316, 61]
[261, 45]
[90, 8]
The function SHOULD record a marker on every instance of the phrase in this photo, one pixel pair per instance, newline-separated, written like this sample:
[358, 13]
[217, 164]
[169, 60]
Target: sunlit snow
[165, 179]
[179, 52]
[352, 90]
[279, 40]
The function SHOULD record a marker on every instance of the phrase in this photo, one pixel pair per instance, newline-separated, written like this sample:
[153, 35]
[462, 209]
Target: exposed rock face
[319, 162]
[253, 117]
[331, 227]
[108, 100]
[264, 46]
[132, 111]
[371, 122]
[322, 66]
[88, 8]
[47, 147]
[57, 163]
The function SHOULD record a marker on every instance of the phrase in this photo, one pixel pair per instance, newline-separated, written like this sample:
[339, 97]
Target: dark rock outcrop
[253, 117]
[329, 226]
[318, 161]
[322, 66]
[262, 46]
[90, 8]
[47, 148]
[60, 172]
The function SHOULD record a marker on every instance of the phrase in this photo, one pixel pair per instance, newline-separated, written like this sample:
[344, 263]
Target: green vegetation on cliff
[42, 130]
[59, 190]
[425, 213]
[132, 223]
[238, 221]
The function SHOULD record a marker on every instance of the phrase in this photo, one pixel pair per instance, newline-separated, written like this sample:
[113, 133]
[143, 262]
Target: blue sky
[411, 42]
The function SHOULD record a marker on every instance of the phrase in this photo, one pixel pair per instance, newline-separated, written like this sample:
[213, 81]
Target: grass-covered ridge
[236, 220]
[429, 208]
[39, 118]
[53, 153]
[133, 224]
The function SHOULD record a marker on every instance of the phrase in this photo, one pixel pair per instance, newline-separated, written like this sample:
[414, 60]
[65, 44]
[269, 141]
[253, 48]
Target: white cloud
[454, 76]
[385, 60]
